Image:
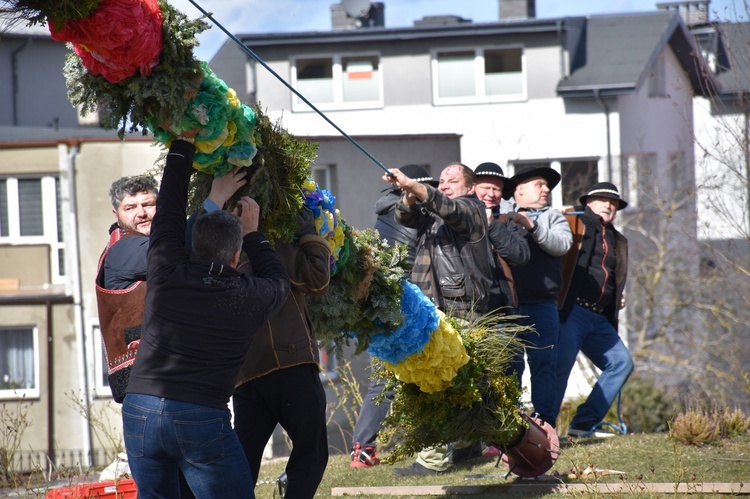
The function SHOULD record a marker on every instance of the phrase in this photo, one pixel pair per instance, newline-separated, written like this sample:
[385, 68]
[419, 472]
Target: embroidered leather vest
[120, 319]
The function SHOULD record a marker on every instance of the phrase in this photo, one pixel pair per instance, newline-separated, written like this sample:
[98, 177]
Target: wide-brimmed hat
[604, 190]
[490, 169]
[531, 171]
[418, 173]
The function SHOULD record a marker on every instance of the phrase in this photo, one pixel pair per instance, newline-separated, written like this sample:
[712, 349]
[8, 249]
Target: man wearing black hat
[507, 238]
[595, 275]
[538, 283]
[371, 414]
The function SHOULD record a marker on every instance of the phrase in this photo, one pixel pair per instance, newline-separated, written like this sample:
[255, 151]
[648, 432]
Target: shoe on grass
[364, 457]
[578, 433]
[415, 469]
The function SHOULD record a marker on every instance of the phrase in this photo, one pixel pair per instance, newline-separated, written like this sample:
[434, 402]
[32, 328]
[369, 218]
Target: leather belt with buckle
[593, 307]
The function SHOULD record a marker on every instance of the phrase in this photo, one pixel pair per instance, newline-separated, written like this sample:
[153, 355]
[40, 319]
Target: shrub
[695, 428]
[733, 424]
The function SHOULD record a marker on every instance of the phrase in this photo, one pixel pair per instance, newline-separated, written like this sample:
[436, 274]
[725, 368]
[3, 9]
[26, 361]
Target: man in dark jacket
[453, 264]
[538, 283]
[507, 238]
[279, 382]
[596, 271]
[371, 414]
[199, 319]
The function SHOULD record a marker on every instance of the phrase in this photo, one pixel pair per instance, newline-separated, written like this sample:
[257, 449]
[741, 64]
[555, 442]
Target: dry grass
[643, 458]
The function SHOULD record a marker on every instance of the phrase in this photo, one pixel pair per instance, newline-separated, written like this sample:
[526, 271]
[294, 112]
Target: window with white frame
[19, 362]
[30, 213]
[479, 75]
[338, 82]
[101, 381]
[324, 176]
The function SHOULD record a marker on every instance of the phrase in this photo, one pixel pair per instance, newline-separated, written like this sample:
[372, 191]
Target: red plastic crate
[121, 489]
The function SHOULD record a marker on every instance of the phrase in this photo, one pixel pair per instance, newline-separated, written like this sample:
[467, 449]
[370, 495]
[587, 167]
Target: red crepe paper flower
[119, 38]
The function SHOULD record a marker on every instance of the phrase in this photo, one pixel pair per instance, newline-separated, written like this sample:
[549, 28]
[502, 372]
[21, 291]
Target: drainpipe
[563, 66]
[746, 153]
[14, 72]
[50, 382]
[75, 280]
[604, 106]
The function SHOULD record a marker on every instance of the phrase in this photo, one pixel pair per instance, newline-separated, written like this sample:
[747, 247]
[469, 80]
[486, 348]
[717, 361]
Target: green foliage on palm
[364, 295]
[482, 403]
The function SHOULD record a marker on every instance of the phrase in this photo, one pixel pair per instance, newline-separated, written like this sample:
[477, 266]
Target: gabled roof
[733, 58]
[621, 49]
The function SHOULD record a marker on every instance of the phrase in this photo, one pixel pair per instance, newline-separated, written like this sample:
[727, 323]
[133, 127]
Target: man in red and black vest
[121, 276]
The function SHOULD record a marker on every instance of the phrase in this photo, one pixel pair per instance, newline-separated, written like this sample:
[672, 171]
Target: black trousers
[294, 398]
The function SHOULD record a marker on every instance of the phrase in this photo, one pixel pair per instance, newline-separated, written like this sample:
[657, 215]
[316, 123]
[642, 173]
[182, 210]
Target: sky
[282, 16]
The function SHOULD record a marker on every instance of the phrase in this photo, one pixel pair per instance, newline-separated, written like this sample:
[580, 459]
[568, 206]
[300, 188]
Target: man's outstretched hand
[224, 187]
[249, 213]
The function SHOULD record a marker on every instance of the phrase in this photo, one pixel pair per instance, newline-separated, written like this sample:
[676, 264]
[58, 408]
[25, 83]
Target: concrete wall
[41, 98]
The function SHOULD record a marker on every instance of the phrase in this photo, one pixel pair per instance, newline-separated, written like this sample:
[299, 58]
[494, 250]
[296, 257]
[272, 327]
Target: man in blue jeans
[595, 272]
[538, 283]
[200, 316]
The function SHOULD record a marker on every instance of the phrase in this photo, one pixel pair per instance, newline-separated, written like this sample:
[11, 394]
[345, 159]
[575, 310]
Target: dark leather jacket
[453, 264]
[576, 262]
[288, 338]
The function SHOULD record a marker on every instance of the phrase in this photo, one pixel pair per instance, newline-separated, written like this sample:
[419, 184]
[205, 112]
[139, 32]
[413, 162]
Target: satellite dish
[356, 8]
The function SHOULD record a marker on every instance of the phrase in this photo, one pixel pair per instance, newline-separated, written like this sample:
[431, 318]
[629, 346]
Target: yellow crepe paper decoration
[434, 368]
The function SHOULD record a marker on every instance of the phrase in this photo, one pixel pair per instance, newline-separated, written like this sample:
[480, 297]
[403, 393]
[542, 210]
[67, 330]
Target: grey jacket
[541, 279]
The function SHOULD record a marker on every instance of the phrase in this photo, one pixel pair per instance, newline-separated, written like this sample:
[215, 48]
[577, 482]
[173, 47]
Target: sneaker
[354, 453]
[363, 458]
[576, 433]
[415, 469]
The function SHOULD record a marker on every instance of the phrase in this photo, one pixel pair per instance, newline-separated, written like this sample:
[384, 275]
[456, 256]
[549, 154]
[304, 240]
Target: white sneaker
[573, 433]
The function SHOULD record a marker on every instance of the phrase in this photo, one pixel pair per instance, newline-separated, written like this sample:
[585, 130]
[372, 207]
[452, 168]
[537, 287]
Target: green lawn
[642, 458]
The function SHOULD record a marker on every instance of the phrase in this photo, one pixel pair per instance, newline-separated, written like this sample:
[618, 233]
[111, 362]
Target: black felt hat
[419, 174]
[490, 169]
[531, 171]
[604, 190]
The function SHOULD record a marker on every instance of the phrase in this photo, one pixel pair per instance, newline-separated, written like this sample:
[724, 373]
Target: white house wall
[721, 170]
[661, 125]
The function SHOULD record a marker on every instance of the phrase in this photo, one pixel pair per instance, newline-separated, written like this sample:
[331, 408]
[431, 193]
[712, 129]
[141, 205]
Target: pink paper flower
[119, 38]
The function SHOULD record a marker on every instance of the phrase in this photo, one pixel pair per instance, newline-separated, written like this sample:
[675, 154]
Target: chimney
[693, 13]
[516, 9]
[356, 14]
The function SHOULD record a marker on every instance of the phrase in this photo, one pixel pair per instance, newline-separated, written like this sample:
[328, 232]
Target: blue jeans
[541, 351]
[371, 414]
[163, 436]
[597, 339]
